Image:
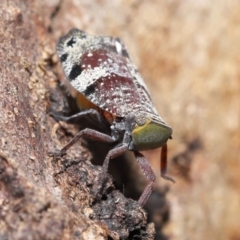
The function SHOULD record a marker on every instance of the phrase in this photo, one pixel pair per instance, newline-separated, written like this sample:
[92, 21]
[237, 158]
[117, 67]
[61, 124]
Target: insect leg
[148, 173]
[87, 132]
[111, 154]
[77, 116]
[164, 164]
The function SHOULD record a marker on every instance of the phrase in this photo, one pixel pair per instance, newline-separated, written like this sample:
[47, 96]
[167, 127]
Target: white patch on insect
[88, 77]
[99, 59]
[90, 54]
[118, 47]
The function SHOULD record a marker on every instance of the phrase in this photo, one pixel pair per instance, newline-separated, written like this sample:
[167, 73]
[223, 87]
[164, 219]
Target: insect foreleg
[111, 154]
[148, 173]
[87, 132]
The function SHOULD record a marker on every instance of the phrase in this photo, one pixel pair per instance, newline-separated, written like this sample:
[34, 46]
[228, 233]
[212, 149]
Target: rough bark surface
[42, 197]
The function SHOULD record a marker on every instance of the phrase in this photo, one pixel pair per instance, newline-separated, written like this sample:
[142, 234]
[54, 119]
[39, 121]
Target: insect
[110, 88]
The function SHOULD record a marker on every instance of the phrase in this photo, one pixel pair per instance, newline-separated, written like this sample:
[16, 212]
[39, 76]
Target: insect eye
[71, 42]
[141, 119]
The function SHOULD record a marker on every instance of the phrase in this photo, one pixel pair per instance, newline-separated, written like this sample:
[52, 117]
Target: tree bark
[42, 197]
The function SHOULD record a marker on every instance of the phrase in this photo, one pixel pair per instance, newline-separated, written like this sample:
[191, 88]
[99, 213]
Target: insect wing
[100, 69]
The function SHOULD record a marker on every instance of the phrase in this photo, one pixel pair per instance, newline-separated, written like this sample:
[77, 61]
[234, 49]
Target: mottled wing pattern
[99, 68]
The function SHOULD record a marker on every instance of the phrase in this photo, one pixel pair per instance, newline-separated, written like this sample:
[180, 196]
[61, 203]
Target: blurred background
[188, 52]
